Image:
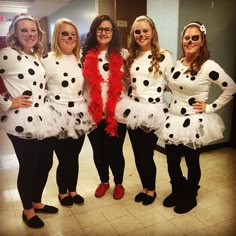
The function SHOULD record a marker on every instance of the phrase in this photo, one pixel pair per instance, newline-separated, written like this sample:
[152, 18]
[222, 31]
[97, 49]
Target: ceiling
[37, 8]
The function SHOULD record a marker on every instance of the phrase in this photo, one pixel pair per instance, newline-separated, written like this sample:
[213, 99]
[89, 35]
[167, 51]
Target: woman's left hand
[199, 106]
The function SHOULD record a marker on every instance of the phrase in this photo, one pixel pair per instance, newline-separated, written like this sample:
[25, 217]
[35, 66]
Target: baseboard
[203, 149]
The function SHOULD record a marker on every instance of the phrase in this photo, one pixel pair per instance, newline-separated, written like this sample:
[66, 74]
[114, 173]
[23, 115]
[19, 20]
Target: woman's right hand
[21, 101]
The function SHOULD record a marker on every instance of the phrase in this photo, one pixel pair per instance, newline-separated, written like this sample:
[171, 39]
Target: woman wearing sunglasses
[65, 93]
[192, 122]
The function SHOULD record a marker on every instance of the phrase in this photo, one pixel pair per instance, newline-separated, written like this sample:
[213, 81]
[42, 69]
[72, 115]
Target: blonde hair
[134, 47]
[55, 42]
[13, 41]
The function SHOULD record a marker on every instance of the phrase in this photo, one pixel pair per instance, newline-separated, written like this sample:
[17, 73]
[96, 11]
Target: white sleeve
[218, 76]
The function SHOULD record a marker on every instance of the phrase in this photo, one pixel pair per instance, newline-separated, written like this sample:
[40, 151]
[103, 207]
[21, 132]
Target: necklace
[115, 86]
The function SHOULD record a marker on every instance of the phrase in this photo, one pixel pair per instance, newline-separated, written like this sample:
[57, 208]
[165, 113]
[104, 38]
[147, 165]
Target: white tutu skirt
[76, 121]
[143, 115]
[31, 123]
[195, 130]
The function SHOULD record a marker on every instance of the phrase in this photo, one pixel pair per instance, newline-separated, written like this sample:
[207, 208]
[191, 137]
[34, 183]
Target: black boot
[176, 195]
[188, 201]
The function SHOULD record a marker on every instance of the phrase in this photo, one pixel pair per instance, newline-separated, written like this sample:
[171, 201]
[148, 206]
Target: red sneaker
[119, 191]
[101, 189]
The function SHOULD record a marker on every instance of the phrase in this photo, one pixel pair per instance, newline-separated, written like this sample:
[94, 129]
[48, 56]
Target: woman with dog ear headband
[192, 122]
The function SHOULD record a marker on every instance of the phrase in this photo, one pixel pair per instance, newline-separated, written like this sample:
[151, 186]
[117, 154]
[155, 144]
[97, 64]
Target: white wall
[165, 14]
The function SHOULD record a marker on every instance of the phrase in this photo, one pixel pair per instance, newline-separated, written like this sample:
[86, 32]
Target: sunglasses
[193, 38]
[107, 30]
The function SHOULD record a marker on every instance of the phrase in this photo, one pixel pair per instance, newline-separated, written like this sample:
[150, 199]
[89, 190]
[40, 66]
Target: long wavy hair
[13, 41]
[56, 34]
[134, 48]
[91, 38]
[204, 54]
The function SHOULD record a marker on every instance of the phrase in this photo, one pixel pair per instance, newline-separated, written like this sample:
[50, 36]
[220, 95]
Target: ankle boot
[188, 201]
[176, 195]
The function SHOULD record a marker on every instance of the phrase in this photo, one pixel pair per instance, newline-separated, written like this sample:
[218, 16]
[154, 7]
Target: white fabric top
[65, 80]
[186, 88]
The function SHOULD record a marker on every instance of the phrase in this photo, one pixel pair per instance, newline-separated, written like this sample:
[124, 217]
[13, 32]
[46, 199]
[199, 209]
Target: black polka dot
[165, 110]
[183, 111]
[80, 66]
[36, 63]
[57, 63]
[57, 97]
[78, 121]
[81, 114]
[41, 85]
[69, 113]
[137, 68]
[159, 89]
[126, 113]
[134, 80]
[19, 58]
[45, 56]
[167, 125]
[197, 136]
[36, 105]
[2, 71]
[73, 80]
[105, 67]
[172, 69]
[224, 84]
[19, 129]
[3, 118]
[180, 87]
[186, 123]
[31, 71]
[214, 105]
[191, 101]
[41, 119]
[150, 100]
[136, 99]
[146, 82]
[176, 75]
[5, 57]
[192, 78]
[30, 118]
[157, 99]
[64, 84]
[129, 90]
[162, 57]
[65, 74]
[20, 76]
[27, 92]
[71, 104]
[79, 93]
[16, 111]
[149, 56]
[100, 59]
[200, 119]
[34, 83]
[214, 75]
[171, 136]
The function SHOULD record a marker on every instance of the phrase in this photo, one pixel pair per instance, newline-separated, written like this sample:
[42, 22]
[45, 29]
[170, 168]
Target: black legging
[108, 152]
[143, 145]
[35, 162]
[67, 151]
[192, 158]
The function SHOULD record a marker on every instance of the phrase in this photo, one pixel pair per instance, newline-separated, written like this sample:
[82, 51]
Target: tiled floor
[215, 214]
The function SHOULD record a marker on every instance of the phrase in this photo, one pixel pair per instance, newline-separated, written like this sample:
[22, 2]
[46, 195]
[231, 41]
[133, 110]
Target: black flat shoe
[66, 201]
[77, 199]
[35, 222]
[140, 197]
[46, 209]
[149, 199]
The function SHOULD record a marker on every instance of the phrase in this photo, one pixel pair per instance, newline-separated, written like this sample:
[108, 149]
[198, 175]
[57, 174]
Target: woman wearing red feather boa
[102, 68]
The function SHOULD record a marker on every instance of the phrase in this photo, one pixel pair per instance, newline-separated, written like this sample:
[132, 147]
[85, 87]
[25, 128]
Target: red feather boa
[115, 86]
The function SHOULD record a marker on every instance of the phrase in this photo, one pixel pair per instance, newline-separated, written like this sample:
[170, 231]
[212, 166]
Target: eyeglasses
[107, 30]
[193, 38]
[66, 35]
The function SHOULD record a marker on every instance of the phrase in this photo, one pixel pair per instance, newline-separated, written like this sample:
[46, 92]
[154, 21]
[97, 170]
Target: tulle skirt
[31, 123]
[143, 115]
[76, 121]
[194, 131]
